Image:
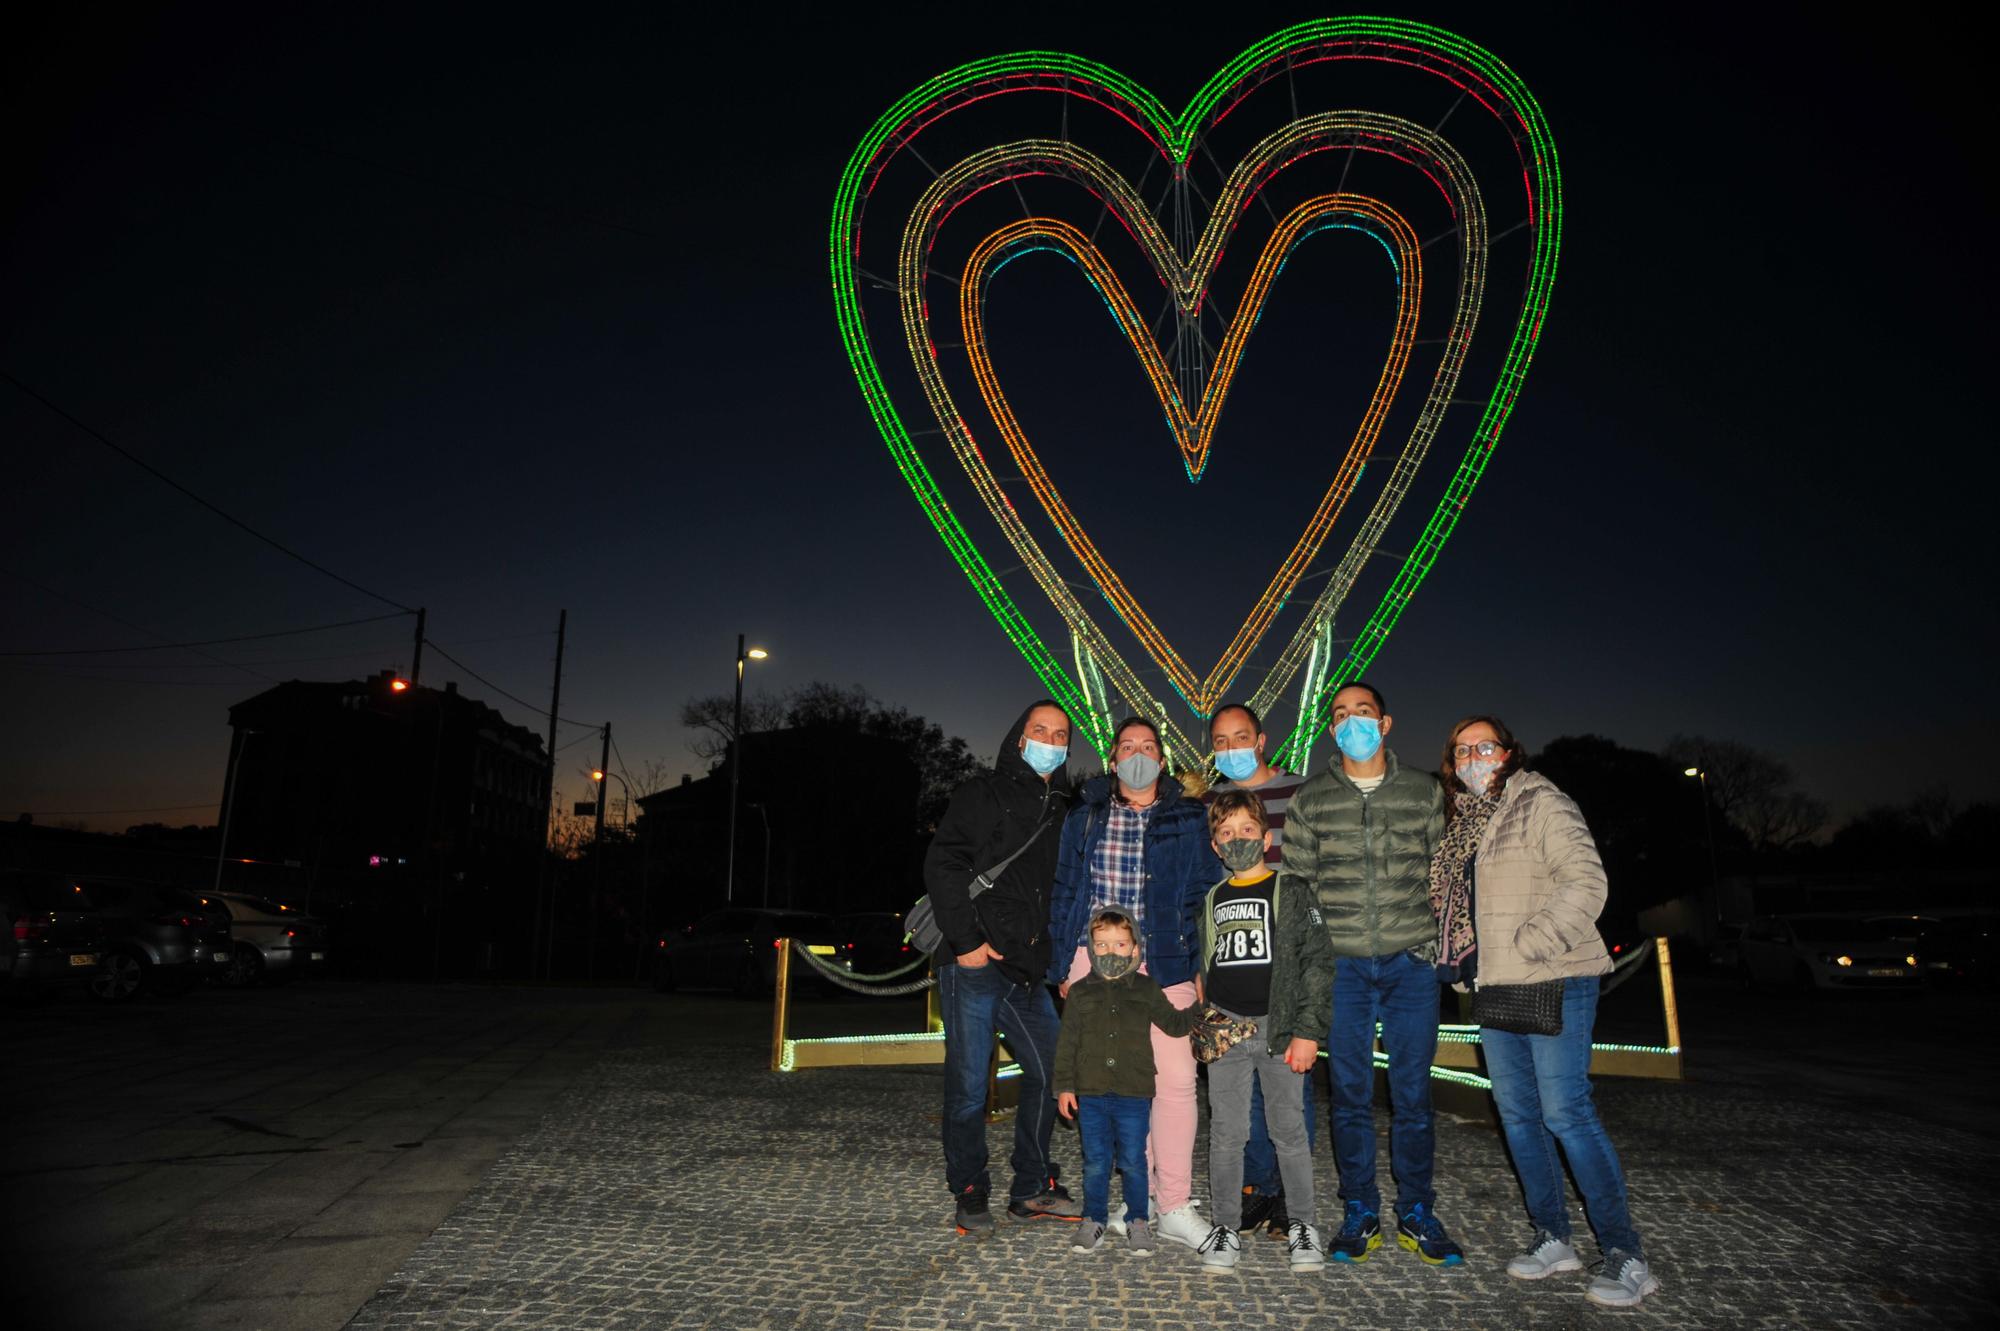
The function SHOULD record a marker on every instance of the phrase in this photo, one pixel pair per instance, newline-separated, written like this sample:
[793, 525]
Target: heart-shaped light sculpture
[1101, 669]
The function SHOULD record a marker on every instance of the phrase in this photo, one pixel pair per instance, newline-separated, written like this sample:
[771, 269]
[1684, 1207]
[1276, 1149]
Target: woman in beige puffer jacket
[1518, 886]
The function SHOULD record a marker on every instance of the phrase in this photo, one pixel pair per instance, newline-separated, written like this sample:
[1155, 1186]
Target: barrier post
[1667, 1001]
[933, 1012]
[781, 1004]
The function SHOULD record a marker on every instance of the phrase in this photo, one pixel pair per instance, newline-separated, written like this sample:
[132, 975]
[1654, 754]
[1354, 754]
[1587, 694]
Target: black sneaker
[1424, 1234]
[1278, 1224]
[1360, 1233]
[1256, 1210]
[973, 1220]
[1051, 1203]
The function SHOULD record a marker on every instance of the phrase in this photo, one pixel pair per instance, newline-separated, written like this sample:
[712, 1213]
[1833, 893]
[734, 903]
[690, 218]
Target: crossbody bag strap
[992, 875]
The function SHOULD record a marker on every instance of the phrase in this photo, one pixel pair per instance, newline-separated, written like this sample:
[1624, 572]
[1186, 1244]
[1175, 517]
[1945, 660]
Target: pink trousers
[1170, 1145]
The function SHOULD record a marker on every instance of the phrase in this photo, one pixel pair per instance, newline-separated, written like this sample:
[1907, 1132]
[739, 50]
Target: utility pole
[735, 772]
[417, 655]
[237, 739]
[597, 855]
[547, 875]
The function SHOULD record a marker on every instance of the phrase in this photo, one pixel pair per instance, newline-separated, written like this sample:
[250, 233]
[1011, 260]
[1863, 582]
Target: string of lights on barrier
[1473, 73]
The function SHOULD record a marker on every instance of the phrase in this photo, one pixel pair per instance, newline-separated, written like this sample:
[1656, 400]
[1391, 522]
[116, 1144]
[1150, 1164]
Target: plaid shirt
[1118, 865]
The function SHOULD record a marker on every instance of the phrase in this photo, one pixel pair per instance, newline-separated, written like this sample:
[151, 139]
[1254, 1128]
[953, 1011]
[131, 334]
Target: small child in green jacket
[1104, 1074]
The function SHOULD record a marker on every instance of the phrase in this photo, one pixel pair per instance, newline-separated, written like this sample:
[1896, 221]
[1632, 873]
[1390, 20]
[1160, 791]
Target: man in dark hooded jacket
[990, 966]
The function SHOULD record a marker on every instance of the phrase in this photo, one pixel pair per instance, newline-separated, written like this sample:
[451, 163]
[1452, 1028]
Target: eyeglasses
[1485, 748]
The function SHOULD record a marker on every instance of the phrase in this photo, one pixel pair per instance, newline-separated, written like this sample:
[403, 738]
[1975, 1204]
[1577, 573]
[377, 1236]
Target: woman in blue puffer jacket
[1132, 842]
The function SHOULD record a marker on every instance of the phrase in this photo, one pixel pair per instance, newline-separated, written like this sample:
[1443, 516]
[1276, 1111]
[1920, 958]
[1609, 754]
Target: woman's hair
[1517, 757]
[1232, 802]
[1131, 722]
[1110, 917]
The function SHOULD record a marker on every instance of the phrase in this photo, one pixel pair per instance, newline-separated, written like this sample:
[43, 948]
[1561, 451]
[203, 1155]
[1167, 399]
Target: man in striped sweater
[1237, 734]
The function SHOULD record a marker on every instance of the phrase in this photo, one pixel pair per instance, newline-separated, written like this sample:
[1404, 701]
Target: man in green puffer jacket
[1362, 833]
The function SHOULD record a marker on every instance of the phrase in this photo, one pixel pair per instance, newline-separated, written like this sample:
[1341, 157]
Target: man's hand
[1301, 1054]
[1066, 1104]
[1062, 991]
[978, 957]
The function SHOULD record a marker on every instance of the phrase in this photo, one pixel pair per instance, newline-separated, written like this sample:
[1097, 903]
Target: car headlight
[1911, 959]
[1832, 960]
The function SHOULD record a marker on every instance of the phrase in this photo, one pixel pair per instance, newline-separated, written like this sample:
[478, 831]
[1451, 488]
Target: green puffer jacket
[1368, 857]
[1301, 965]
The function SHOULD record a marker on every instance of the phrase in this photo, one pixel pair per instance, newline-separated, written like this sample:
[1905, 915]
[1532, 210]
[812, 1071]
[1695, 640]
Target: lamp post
[1708, 830]
[765, 814]
[736, 759]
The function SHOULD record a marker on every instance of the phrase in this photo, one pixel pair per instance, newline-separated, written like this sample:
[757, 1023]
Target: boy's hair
[1232, 802]
[1110, 917]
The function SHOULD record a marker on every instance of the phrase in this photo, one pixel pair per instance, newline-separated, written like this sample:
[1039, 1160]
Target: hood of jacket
[1009, 762]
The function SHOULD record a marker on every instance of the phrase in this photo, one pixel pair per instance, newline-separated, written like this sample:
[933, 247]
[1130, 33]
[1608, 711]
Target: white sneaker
[1624, 1281]
[1182, 1225]
[1302, 1244]
[1219, 1249]
[1549, 1256]
[1116, 1225]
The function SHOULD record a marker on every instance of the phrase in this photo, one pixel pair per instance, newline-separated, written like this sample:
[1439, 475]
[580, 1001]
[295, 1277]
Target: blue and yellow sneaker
[1424, 1234]
[1360, 1233]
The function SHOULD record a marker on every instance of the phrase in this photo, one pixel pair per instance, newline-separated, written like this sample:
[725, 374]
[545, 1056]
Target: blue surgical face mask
[1359, 737]
[1477, 774]
[1044, 758]
[1236, 764]
[1138, 770]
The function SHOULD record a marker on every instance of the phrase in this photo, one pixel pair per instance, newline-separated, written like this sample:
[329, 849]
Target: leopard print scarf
[1451, 874]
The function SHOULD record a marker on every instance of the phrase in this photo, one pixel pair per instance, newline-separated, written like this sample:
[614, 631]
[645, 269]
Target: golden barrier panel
[1457, 1059]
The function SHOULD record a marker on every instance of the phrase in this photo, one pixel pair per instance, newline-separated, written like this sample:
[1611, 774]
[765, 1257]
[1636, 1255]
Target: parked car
[156, 938]
[876, 942]
[1812, 952]
[268, 940]
[49, 939]
[1956, 951]
[736, 949]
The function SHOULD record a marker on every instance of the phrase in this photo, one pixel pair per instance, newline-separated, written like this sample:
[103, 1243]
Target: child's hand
[1301, 1054]
[1066, 1104]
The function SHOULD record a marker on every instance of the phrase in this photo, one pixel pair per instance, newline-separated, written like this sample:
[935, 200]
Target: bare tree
[1750, 789]
[715, 718]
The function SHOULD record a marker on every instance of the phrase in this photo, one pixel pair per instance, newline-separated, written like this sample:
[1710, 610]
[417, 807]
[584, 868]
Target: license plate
[83, 958]
[319, 956]
[1886, 973]
[821, 949]
[221, 957]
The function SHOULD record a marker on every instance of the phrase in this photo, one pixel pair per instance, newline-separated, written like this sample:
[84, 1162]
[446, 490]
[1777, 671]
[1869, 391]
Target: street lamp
[736, 758]
[1708, 830]
[598, 774]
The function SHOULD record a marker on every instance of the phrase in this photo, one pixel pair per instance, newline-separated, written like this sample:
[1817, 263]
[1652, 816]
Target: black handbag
[1521, 1009]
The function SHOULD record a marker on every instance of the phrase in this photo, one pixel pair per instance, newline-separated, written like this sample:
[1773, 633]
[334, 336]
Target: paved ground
[614, 1159]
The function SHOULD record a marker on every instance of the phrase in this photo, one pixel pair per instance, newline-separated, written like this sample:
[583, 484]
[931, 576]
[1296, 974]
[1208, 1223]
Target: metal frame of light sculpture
[1474, 72]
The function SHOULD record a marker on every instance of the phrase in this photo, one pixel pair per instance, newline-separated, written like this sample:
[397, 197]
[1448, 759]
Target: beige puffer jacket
[1538, 888]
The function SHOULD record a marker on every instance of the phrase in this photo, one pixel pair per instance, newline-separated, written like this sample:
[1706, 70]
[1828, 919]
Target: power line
[538, 711]
[136, 628]
[210, 642]
[228, 517]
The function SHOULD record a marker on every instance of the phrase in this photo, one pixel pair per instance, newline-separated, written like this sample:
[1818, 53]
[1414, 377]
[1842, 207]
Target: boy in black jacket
[990, 966]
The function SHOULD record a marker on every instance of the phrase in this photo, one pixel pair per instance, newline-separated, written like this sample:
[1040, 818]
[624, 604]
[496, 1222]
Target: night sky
[503, 315]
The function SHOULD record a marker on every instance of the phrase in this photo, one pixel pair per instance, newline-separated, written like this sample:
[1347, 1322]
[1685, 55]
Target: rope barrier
[856, 982]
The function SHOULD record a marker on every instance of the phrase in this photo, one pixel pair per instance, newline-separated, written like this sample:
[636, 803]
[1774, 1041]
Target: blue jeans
[1260, 1158]
[976, 1002]
[1113, 1129]
[1541, 1084]
[1402, 993]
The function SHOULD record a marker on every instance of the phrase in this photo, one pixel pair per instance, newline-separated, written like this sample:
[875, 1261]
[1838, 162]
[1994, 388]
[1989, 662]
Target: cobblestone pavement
[689, 1187]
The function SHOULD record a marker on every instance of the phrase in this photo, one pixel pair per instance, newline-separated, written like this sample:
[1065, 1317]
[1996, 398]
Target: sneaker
[1138, 1238]
[1116, 1225]
[1302, 1245]
[1051, 1203]
[1088, 1235]
[1182, 1225]
[1278, 1224]
[1549, 1256]
[1360, 1233]
[1220, 1250]
[973, 1219]
[1257, 1209]
[1624, 1281]
[1424, 1234]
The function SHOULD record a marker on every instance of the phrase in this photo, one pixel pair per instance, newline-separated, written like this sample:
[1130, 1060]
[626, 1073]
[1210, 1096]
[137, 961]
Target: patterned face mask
[1477, 774]
[1111, 966]
[1240, 855]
